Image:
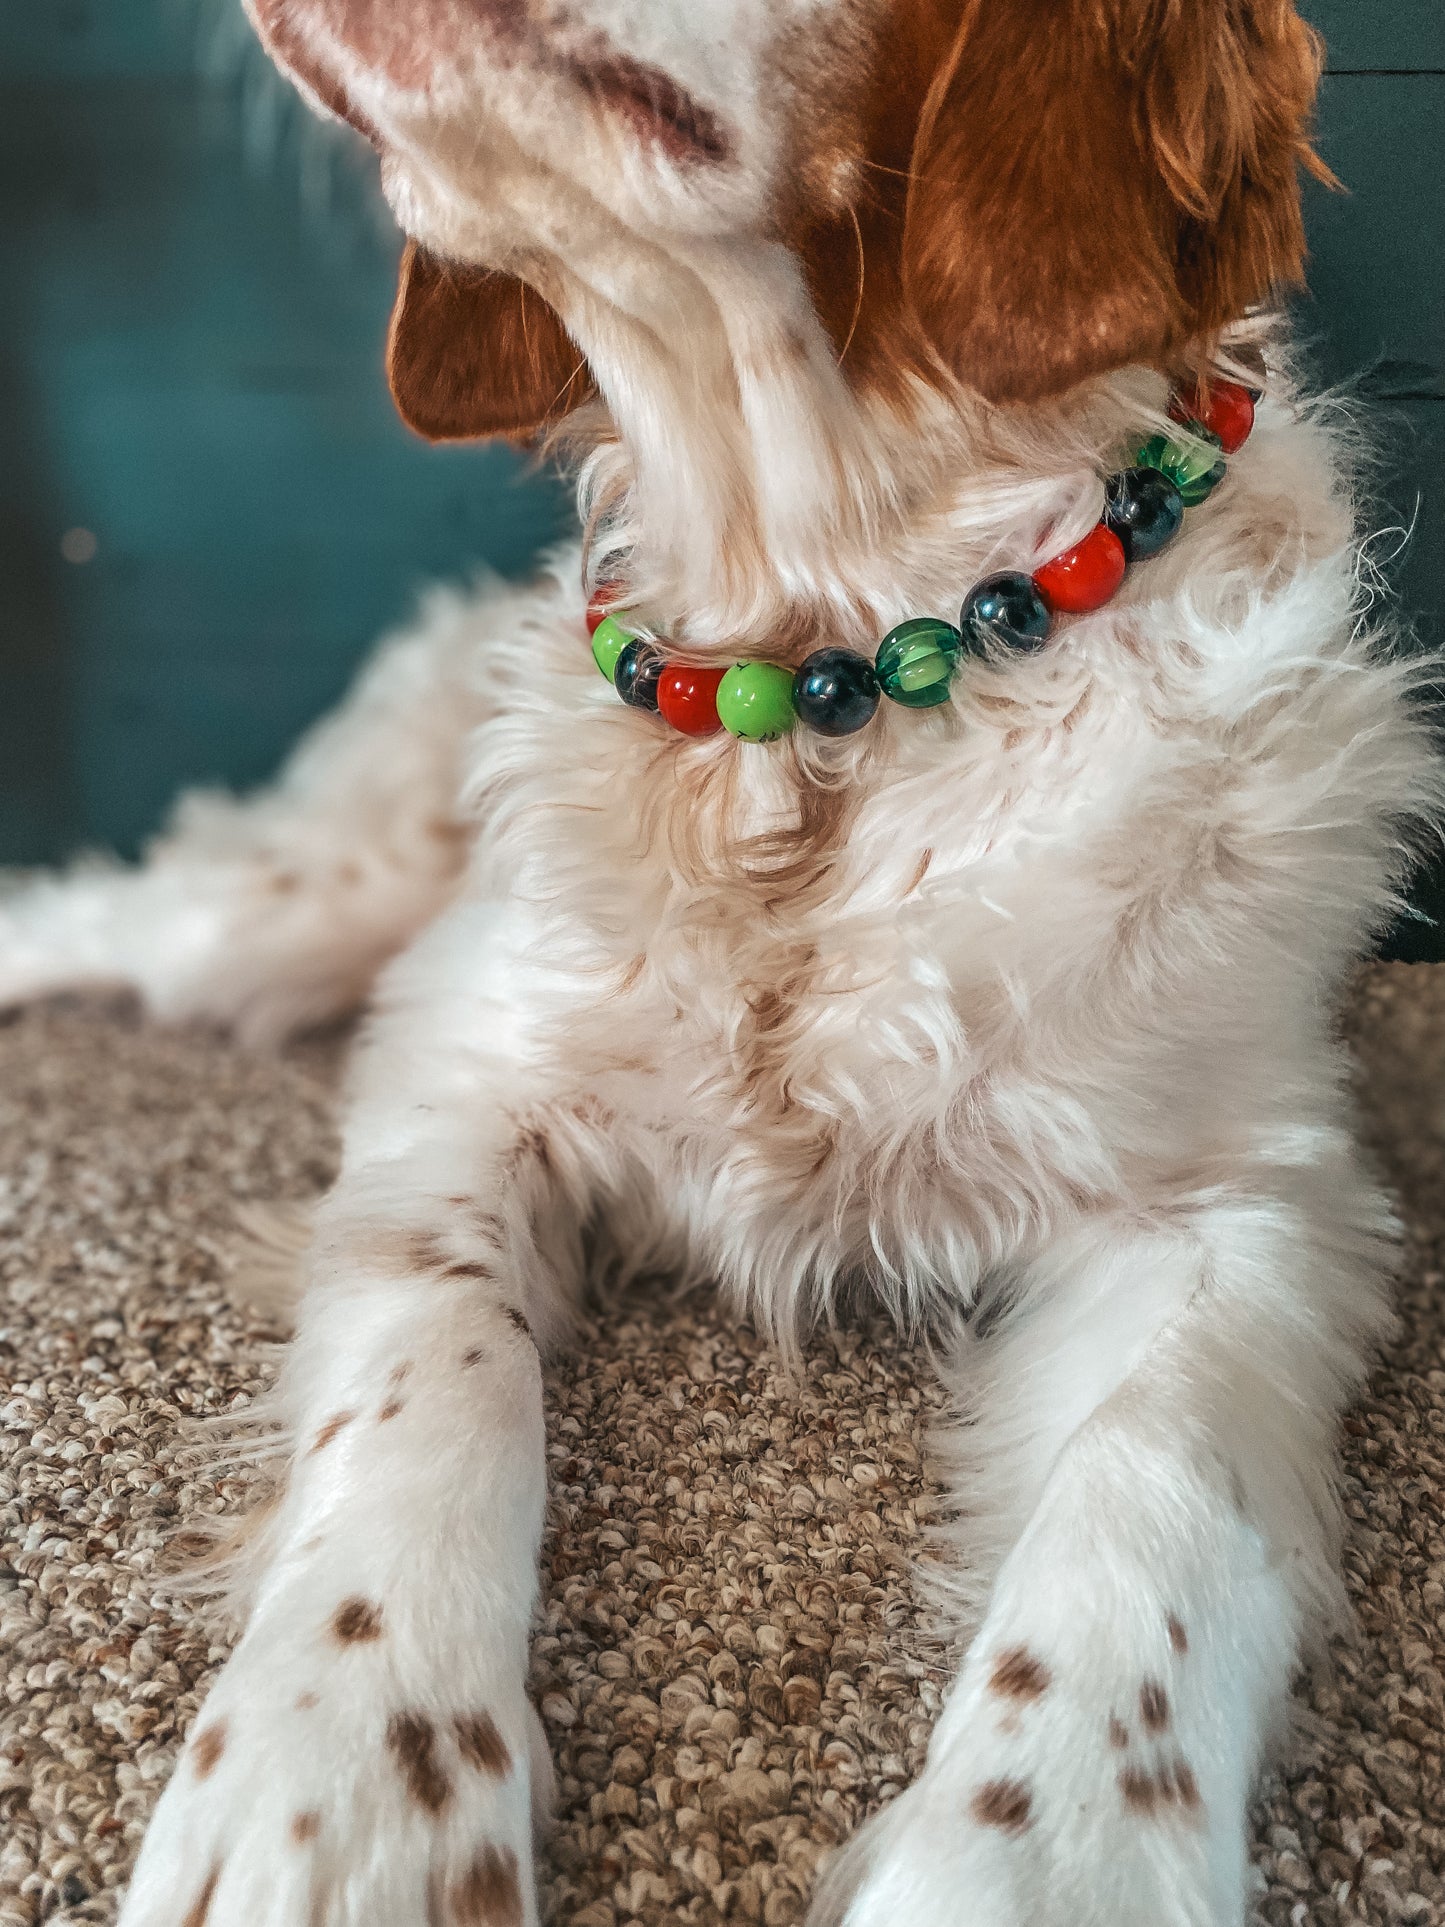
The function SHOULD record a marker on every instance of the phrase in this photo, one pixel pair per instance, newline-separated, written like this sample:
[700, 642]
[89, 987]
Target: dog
[1003, 993]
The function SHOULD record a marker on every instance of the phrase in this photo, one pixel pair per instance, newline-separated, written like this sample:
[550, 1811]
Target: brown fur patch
[207, 1747]
[518, 1320]
[356, 1621]
[475, 1356]
[305, 1827]
[305, 1702]
[489, 1893]
[1138, 1788]
[328, 1431]
[482, 1745]
[1118, 1734]
[1178, 1638]
[412, 1738]
[390, 1410]
[468, 1268]
[534, 1144]
[425, 1251]
[201, 1906]
[1153, 1706]
[1018, 1675]
[1173, 1786]
[1005, 1804]
[399, 1373]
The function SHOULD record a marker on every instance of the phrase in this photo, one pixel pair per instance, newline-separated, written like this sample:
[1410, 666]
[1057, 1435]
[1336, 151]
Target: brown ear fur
[1097, 182]
[473, 353]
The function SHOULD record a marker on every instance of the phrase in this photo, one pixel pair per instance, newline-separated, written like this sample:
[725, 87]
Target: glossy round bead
[1005, 611]
[755, 701]
[1144, 509]
[916, 662]
[836, 692]
[1193, 463]
[1225, 408]
[687, 697]
[1085, 576]
[609, 639]
[638, 671]
[604, 599]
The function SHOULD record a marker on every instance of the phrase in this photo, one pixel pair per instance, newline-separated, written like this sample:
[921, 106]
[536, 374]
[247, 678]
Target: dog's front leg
[368, 1755]
[1148, 1445]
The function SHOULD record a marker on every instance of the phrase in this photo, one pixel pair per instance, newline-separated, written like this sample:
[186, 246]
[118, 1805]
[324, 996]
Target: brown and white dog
[1017, 1007]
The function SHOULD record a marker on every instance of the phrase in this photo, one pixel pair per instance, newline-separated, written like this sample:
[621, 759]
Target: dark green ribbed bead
[917, 660]
[1194, 465]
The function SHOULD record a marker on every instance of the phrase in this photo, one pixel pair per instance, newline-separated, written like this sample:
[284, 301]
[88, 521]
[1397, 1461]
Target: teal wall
[194, 285]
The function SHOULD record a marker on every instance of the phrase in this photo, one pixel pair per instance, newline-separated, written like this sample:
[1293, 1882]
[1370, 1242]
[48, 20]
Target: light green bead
[755, 701]
[916, 661]
[1194, 465]
[609, 639]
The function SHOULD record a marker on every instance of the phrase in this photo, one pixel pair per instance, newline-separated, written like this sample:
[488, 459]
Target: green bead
[609, 639]
[916, 661]
[1193, 464]
[755, 701]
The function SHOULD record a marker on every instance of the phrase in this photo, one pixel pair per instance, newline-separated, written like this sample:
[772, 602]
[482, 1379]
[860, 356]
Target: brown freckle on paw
[390, 1410]
[305, 1827]
[305, 1701]
[1153, 1706]
[356, 1620]
[329, 1430]
[1005, 1804]
[1018, 1675]
[482, 1745]
[1139, 1791]
[202, 1905]
[1118, 1734]
[468, 1268]
[1178, 1638]
[489, 1893]
[207, 1747]
[518, 1320]
[412, 1738]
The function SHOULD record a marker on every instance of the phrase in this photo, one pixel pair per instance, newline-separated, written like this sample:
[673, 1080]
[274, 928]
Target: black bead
[1004, 611]
[835, 691]
[639, 669]
[1144, 509]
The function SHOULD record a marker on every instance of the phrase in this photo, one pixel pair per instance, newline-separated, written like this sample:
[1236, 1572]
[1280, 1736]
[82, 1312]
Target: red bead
[1085, 576]
[687, 698]
[1225, 408]
[604, 601]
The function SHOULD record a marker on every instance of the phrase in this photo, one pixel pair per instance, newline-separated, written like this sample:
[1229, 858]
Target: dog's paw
[345, 1803]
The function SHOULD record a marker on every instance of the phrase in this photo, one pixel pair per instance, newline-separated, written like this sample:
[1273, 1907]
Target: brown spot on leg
[1118, 1734]
[1005, 1804]
[1139, 1791]
[482, 1745]
[1182, 1784]
[356, 1620]
[329, 1430]
[390, 1410]
[1178, 1638]
[1018, 1675]
[1153, 1706]
[489, 1893]
[202, 1904]
[207, 1747]
[305, 1827]
[412, 1738]
[518, 1320]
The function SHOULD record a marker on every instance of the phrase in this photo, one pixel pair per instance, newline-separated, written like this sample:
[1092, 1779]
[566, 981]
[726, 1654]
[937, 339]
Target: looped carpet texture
[731, 1656]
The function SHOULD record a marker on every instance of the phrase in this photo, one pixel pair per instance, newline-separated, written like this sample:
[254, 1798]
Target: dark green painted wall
[193, 292]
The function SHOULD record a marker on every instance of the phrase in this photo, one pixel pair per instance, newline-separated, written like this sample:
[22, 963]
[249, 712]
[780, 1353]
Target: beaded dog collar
[837, 691]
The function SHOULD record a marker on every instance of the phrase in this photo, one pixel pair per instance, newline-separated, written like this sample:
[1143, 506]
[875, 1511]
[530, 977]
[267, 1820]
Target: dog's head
[744, 220]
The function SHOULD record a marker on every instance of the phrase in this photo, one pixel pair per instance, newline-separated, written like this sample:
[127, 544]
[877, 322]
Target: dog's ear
[473, 353]
[1099, 181]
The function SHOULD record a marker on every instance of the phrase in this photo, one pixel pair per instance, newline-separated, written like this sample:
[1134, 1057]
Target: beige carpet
[730, 1660]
